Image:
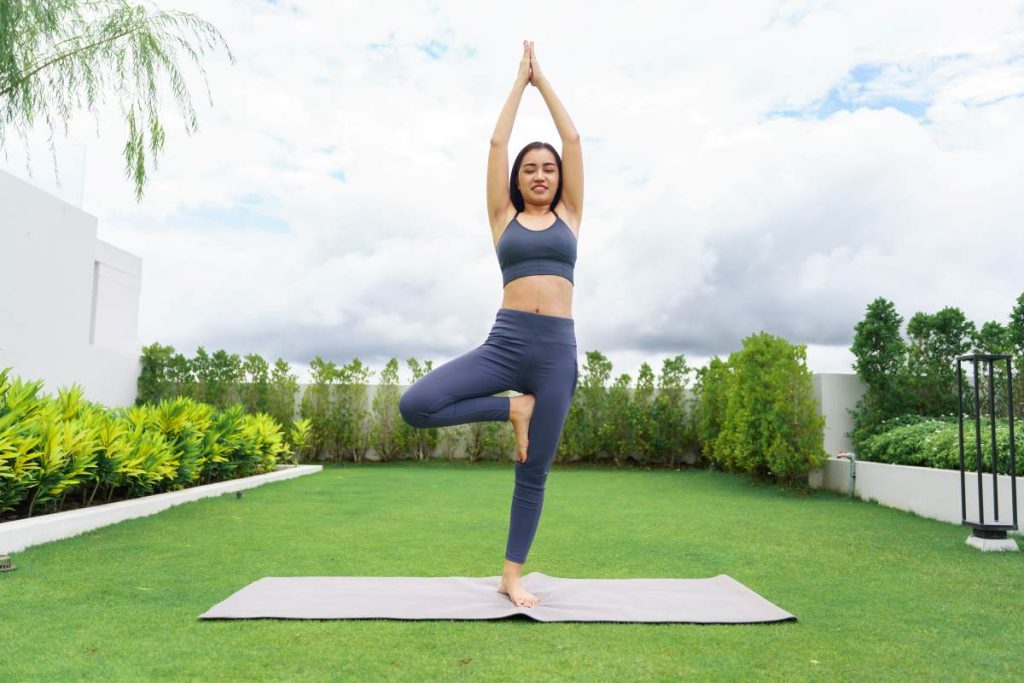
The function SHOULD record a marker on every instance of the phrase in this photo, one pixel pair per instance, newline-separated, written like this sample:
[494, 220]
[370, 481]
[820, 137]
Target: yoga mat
[717, 600]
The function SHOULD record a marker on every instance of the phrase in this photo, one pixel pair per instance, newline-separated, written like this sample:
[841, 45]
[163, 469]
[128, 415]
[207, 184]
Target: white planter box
[22, 533]
[927, 491]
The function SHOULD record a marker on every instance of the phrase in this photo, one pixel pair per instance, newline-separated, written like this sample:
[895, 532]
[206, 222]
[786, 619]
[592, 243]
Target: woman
[531, 348]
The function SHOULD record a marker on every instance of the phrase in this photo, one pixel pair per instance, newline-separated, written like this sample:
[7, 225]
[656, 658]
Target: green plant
[256, 393]
[934, 343]
[935, 442]
[284, 389]
[54, 451]
[620, 416]
[489, 441]
[671, 434]
[771, 427]
[53, 54]
[155, 379]
[299, 438]
[587, 430]
[316, 406]
[348, 411]
[713, 393]
[19, 405]
[920, 375]
[385, 431]
[421, 442]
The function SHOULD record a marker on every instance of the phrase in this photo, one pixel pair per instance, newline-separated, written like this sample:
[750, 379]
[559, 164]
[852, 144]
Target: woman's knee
[412, 409]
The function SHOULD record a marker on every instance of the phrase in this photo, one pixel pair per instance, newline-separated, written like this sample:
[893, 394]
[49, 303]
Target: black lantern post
[991, 535]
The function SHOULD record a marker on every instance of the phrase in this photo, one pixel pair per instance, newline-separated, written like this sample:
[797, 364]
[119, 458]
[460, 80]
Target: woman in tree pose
[531, 348]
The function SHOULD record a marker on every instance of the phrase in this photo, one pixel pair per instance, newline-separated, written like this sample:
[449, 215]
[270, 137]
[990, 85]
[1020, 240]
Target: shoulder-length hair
[513, 186]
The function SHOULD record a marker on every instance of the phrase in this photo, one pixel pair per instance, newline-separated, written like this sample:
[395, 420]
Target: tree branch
[8, 89]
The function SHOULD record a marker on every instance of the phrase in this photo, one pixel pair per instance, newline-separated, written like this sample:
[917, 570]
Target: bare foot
[519, 413]
[519, 596]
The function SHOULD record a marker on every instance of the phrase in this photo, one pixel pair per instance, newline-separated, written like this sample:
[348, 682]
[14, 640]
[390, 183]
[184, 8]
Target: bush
[647, 425]
[770, 427]
[935, 442]
[64, 450]
[386, 432]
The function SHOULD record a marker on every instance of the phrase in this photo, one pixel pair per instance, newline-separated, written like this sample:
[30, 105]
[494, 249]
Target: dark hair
[513, 186]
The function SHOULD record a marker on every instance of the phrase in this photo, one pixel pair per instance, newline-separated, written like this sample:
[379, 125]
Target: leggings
[526, 352]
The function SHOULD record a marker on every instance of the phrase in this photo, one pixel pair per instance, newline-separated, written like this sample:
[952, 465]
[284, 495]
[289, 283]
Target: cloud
[749, 166]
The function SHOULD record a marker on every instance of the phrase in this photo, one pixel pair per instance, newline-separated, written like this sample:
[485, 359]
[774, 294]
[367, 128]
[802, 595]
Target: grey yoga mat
[717, 600]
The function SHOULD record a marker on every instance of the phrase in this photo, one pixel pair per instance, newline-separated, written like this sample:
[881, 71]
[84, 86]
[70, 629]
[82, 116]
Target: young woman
[531, 348]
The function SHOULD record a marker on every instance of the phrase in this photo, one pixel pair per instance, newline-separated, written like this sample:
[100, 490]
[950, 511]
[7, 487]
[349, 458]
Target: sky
[749, 166]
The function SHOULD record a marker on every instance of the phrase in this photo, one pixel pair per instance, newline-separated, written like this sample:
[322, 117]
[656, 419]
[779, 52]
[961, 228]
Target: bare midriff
[543, 294]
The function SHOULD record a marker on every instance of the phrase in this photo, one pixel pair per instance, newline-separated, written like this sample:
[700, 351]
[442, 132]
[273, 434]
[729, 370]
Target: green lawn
[879, 594]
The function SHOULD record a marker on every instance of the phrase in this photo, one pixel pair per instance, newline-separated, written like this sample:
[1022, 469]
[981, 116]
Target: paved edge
[19, 534]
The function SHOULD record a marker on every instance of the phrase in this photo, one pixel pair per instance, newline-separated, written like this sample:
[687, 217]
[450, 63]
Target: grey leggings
[526, 352]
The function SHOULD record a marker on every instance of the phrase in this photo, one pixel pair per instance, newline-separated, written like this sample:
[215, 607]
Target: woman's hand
[525, 75]
[535, 75]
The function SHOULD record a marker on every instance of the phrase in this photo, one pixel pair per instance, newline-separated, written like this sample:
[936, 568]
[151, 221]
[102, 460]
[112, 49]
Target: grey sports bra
[522, 252]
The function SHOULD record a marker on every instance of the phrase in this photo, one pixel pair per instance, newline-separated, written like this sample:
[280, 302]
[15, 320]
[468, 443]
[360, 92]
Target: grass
[879, 594]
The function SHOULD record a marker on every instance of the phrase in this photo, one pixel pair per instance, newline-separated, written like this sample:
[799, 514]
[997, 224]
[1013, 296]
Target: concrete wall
[70, 304]
[927, 491]
[836, 392]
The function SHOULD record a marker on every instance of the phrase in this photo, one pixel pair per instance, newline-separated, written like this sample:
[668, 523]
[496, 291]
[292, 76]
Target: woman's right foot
[519, 412]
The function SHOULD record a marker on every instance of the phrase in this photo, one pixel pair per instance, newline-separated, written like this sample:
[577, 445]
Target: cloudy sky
[750, 165]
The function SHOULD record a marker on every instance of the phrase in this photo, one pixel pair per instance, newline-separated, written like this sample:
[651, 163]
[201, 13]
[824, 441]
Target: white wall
[70, 302]
[927, 491]
[835, 392]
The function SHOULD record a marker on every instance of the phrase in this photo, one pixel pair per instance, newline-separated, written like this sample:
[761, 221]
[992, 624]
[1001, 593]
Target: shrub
[771, 426]
[66, 449]
[935, 442]
[386, 433]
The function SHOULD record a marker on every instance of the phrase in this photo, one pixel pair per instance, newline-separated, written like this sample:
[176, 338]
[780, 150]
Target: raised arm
[497, 160]
[572, 152]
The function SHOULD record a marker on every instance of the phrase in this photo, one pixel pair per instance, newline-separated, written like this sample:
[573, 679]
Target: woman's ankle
[512, 570]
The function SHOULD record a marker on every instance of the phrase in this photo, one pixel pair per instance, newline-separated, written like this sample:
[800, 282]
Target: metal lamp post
[990, 535]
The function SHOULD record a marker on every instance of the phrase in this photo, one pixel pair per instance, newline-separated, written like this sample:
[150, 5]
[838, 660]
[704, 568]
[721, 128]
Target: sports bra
[522, 252]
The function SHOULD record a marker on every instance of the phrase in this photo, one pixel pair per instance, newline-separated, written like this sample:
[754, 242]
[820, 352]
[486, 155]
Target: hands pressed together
[529, 68]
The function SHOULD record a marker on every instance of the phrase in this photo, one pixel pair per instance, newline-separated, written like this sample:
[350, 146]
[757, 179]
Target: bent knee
[411, 409]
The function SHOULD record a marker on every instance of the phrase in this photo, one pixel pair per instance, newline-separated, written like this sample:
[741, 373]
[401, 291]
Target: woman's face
[538, 176]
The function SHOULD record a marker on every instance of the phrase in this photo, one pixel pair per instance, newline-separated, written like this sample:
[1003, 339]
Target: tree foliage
[55, 53]
[918, 376]
[769, 422]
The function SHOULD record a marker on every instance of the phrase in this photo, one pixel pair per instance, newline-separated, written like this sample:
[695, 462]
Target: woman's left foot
[519, 596]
